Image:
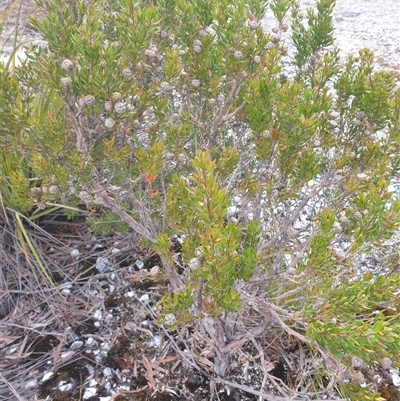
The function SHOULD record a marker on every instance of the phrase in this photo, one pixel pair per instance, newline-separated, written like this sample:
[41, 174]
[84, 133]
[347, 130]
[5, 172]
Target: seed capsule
[238, 54]
[83, 195]
[116, 96]
[119, 107]
[127, 74]
[35, 192]
[41, 206]
[195, 83]
[67, 65]
[65, 81]
[109, 122]
[284, 26]
[53, 189]
[164, 86]
[269, 46]
[90, 100]
[253, 25]
[276, 38]
[170, 319]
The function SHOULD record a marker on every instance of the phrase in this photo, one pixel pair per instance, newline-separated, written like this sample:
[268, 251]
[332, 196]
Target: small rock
[75, 253]
[47, 376]
[103, 265]
[65, 386]
[144, 298]
[97, 315]
[107, 372]
[76, 345]
[31, 384]
[89, 392]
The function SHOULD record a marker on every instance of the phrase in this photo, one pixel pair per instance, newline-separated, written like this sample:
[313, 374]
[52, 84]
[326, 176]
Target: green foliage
[186, 118]
[356, 316]
[218, 251]
[310, 39]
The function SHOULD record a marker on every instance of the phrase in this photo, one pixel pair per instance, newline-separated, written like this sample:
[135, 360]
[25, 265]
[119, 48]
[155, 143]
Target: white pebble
[64, 386]
[75, 253]
[231, 211]
[144, 298]
[395, 377]
[97, 315]
[66, 354]
[76, 345]
[47, 376]
[90, 342]
[103, 265]
[89, 392]
[31, 384]
[139, 263]
[66, 292]
[107, 372]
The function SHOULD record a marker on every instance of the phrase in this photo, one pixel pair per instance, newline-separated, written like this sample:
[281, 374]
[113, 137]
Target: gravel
[358, 23]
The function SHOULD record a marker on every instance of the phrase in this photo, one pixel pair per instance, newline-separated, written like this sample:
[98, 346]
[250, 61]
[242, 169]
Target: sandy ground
[364, 24]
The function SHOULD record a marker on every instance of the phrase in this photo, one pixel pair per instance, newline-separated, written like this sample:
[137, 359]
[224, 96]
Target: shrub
[269, 158]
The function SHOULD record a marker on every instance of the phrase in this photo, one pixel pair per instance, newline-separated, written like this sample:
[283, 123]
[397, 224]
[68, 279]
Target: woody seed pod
[65, 81]
[35, 192]
[116, 96]
[253, 25]
[284, 26]
[269, 46]
[170, 319]
[53, 189]
[276, 38]
[41, 206]
[109, 122]
[67, 65]
[90, 100]
[119, 107]
[127, 74]
[238, 54]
